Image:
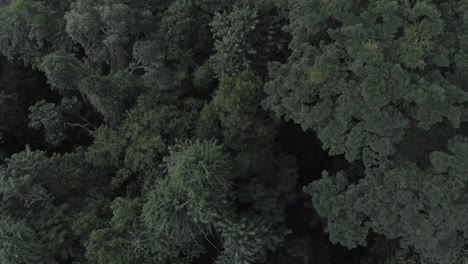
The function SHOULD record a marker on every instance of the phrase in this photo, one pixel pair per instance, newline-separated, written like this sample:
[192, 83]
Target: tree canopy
[233, 132]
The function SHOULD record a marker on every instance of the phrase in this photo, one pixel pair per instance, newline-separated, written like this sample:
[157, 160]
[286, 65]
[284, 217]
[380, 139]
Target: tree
[169, 131]
[422, 208]
[111, 95]
[266, 176]
[364, 73]
[182, 208]
[19, 243]
[64, 71]
[243, 37]
[31, 29]
[105, 30]
[122, 242]
[31, 222]
[247, 241]
[55, 118]
[402, 257]
[234, 46]
[237, 103]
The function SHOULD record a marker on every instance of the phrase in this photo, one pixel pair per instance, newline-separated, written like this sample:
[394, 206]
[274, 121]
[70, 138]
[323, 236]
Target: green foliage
[154, 142]
[104, 30]
[420, 207]
[374, 81]
[139, 144]
[244, 35]
[150, 130]
[31, 29]
[107, 149]
[111, 95]
[18, 243]
[204, 78]
[330, 202]
[74, 180]
[402, 257]
[63, 71]
[105, 246]
[238, 97]
[179, 25]
[234, 116]
[52, 118]
[122, 242]
[181, 208]
[363, 74]
[156, 75]
[201, 171]
[30, 218]
[247, 241]
[125, 213]
[237, 104]
[86, 222]
[233, 32]
[208, 125]
[19, 179]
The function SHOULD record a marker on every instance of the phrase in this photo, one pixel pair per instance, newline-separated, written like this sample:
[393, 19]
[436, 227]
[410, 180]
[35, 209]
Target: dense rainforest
[234, 131]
